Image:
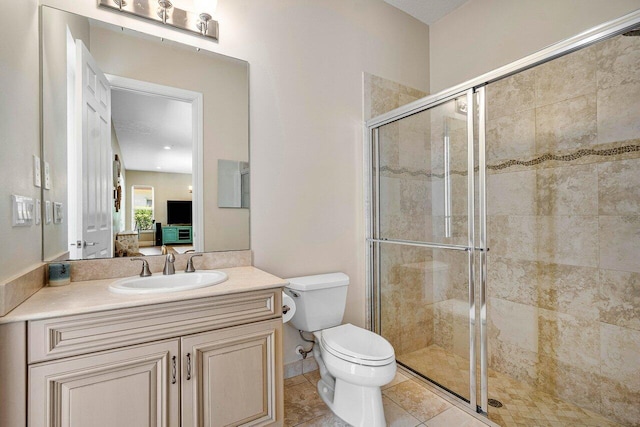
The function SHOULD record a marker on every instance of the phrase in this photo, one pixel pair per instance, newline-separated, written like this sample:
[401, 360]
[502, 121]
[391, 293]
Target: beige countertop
[94, 295]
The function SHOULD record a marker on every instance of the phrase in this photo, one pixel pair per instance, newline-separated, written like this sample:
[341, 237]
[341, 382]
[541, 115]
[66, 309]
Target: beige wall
[483, 35]
[306, 128]
[19, 132]
[166, 186]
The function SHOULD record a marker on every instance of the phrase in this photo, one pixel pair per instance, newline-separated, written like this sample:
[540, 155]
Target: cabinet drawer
[72, 335]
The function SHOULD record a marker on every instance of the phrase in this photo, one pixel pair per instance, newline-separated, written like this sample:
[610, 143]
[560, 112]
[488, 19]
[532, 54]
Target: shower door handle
[483, 249]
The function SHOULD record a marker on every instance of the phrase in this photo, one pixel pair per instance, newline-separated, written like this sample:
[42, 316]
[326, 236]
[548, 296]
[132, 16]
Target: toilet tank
[320, 300]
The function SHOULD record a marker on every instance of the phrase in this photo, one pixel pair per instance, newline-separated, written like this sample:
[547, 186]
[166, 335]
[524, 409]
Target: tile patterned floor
[436, 363]
[523, 404]
[407, 403]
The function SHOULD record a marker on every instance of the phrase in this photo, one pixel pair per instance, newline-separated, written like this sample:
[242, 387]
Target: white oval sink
[170, 283]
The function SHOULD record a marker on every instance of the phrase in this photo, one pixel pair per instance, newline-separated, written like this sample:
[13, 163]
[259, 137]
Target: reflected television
[179, 212]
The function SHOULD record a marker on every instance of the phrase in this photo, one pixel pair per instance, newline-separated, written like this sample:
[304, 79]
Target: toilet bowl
[353, 362]
[359, 362]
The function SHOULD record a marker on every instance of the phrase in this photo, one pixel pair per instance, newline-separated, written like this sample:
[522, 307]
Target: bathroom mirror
[143, 173]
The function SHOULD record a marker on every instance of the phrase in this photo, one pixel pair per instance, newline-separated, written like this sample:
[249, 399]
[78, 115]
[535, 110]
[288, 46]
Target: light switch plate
[47, 212]
[47, 176]
[37, 178]
[57, 213]
[23, 211]
[38, 212]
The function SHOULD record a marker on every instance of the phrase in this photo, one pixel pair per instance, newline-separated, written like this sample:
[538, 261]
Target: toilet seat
[357, 345]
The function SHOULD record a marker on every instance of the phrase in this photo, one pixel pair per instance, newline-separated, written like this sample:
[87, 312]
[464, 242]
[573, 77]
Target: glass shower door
[422, 242]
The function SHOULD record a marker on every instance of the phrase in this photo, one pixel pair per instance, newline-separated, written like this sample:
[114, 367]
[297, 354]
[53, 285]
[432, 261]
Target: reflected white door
[93, 170]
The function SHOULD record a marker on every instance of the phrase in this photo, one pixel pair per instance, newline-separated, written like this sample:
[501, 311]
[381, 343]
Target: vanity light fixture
[165, 12]
[204, 7]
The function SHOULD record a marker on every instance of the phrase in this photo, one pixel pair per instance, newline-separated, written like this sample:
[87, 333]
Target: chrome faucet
[145, 267]
[168, 265]
[190, 268]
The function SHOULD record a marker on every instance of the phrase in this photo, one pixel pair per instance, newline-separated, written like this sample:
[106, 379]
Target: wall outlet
[37, 178]
[47, 176]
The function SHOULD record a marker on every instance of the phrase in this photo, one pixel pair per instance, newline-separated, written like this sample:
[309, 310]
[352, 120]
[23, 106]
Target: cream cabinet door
[232, 377]
[133, 386]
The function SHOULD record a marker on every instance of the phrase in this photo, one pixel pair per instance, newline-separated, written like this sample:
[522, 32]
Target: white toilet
[354, 362]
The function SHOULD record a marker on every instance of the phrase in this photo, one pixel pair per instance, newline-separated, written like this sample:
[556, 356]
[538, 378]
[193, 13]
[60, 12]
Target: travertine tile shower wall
[563, 155]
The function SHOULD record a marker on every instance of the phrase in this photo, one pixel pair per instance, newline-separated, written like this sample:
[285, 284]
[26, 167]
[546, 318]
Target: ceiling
[427, 11]
[145, 125]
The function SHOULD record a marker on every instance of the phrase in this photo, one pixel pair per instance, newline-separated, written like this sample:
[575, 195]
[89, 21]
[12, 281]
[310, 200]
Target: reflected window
[141, 207]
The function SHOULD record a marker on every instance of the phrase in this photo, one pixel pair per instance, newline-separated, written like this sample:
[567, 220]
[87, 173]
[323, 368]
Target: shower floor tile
[452, 372]
[523, 405]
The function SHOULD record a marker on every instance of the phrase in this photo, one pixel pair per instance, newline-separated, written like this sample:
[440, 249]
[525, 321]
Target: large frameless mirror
[134, 128]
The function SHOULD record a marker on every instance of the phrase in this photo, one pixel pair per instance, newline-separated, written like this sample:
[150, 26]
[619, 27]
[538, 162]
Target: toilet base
[326, 392]
[357, 405]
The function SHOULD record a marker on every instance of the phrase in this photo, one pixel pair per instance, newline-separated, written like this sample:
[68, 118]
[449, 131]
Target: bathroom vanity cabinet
[212, 361]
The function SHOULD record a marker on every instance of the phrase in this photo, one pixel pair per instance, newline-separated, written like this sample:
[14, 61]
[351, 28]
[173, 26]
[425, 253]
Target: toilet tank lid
[319, 281]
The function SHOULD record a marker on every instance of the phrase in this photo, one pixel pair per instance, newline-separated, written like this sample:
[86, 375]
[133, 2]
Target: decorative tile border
[545, 158]
[607, 152]
[407, 171]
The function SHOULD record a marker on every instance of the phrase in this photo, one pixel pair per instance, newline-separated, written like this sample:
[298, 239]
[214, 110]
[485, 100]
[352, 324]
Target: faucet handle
[168, 264]
[190, 268]
[145, 267]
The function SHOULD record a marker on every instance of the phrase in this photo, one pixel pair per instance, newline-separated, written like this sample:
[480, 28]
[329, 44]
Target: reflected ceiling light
[199, 20]
[166, 147]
